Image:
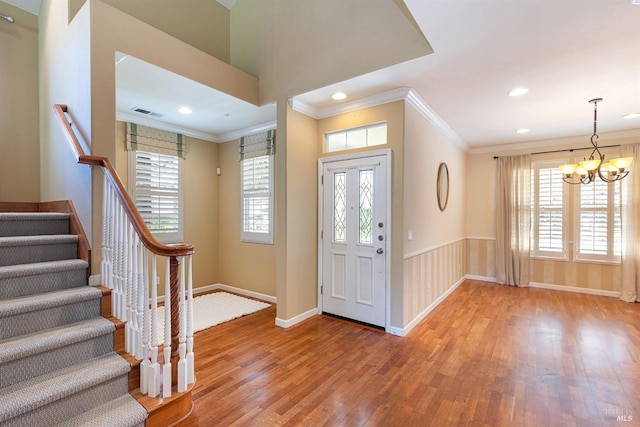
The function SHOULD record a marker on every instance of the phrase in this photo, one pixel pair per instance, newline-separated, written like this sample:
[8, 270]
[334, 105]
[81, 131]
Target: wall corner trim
[286, 323]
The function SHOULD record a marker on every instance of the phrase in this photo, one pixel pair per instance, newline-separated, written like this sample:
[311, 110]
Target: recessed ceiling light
[185, 110]
[632, 115]
[338, 96]
[518, 91]
[523, 130]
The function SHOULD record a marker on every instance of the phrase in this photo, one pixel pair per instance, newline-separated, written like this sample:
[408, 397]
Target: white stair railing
[127, 247]
[133, 280]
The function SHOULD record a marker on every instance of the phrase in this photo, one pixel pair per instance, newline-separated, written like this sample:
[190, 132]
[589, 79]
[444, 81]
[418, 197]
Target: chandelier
[586, 171]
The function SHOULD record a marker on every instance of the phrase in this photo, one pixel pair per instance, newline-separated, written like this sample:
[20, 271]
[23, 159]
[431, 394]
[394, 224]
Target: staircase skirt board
[33, 223]
[30, 249]
[57, 360]
[28, 279]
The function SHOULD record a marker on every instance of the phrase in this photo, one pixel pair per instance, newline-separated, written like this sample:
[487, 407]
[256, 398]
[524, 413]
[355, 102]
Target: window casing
[155, 183]
[257, 199]
[549, 205]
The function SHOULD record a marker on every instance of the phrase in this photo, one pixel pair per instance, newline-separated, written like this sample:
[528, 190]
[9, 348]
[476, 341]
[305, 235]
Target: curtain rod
[570, 150]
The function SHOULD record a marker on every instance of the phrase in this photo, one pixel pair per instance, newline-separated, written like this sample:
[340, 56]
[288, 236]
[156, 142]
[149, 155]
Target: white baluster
[166, 374]
[154, 367]
[143, 299]
[190, 355]
[182, 347]
[105, 213]
[144, 366]
[128, 288]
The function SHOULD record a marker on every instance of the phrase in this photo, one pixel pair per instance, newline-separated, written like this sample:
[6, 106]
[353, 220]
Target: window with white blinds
[156, 191]
[257, 199]
[549, 206]
[598, 222]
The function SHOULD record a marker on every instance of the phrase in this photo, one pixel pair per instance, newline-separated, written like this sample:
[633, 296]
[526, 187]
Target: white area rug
[219, 307]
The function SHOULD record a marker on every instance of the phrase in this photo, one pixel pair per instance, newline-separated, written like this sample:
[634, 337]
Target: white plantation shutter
[157, 194]
[256, 164]
[549, 205]
[599, 222]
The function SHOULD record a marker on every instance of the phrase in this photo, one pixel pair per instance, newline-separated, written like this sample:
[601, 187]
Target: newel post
[174, 283]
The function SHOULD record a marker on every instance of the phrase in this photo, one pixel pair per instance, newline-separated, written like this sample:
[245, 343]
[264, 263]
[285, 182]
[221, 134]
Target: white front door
[354, 238]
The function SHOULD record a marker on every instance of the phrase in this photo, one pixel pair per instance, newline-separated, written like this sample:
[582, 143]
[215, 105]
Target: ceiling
[565, 52]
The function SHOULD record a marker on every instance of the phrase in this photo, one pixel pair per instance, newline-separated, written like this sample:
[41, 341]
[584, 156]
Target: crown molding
[540, 145]
[399, 94]
[416, 101]
[206, 136]
[134, 118]
[237, 134]
[304, 108]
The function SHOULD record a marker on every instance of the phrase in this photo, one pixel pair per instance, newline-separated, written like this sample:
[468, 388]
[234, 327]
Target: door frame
[388, 154]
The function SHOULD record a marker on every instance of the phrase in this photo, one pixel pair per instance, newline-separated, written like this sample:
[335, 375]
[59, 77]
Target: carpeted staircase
[57, 359]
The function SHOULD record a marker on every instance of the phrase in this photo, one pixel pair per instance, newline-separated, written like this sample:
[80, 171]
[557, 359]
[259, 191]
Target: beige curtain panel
[630, 289]
[513, 220]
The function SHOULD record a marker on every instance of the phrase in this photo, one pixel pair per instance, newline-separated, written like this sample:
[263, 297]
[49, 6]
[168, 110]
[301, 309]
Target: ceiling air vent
[147, 112]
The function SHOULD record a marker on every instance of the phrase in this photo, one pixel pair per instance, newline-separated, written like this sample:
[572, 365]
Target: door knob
[379, 251]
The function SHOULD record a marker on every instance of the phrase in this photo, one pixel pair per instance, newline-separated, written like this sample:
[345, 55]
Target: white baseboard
[481, 278]
[575, 289]
[401, 332]
[555, 287]
[297, 319]
[240, 291]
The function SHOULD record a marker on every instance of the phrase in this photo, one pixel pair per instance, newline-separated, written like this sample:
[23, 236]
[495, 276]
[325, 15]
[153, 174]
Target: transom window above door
[360, 137]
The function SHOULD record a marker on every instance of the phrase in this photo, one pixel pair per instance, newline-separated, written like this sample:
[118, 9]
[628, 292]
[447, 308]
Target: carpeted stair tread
[32, 216]
[33, 223]
[39, 268]
[28, 279]
[27, 396]
[39, 342]
[48, 239]
[48, 300]
[31, 249]
[38, 353]
[124, 411]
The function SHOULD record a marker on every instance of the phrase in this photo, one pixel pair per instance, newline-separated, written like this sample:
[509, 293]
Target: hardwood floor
[488, 355]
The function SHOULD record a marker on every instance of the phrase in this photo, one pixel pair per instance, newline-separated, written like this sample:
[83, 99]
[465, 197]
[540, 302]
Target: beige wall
[64, 77]
[299, 45]
[19, 113]
[480, 222]
[298, 286]
[393, 114]
[203, 24]
[249, 266]
[434, 257]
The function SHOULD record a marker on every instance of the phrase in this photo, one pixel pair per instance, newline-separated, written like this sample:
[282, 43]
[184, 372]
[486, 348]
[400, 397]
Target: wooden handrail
[129, 207]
